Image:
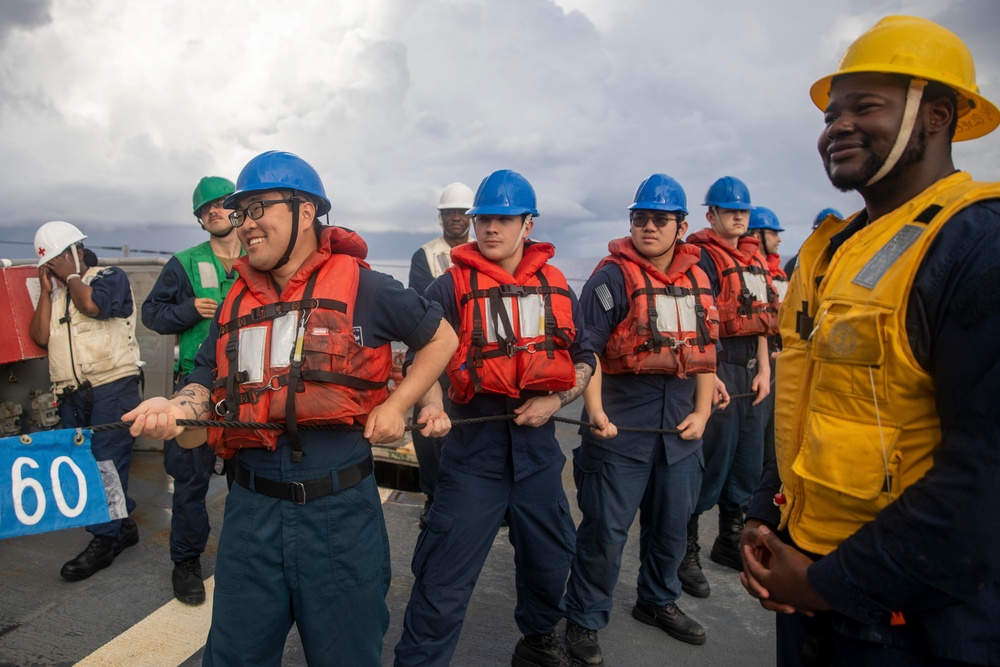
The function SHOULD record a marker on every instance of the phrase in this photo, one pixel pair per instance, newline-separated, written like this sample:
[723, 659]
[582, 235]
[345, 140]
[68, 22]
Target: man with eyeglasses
[734, 436]
[182, 302]
[429, 262]
[303, 339]
[650, 312]
[523, 351]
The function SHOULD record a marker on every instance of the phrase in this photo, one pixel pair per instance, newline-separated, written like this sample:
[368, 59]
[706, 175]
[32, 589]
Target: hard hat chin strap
[295, 200]
[520, 236]
[914, 95]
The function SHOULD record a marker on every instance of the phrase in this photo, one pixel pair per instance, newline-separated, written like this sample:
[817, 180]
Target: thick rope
[278, 426]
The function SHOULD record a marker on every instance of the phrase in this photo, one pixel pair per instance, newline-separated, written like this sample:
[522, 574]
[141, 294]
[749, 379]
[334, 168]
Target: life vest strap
[275, 310]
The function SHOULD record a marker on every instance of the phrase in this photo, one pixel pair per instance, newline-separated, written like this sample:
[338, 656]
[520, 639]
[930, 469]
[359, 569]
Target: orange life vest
[515, 331]
[303, 339]
[680, 304]
[779, 279]
[747, 301]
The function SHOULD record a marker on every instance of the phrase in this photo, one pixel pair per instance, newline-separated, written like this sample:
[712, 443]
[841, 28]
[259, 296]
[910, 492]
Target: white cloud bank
[110, 110]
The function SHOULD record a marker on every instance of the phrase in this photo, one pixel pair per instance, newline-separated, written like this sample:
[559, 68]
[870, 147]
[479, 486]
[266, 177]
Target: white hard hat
[457, 195]
[53, 238]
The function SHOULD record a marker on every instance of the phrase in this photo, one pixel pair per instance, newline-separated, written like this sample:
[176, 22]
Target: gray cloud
[112, 110]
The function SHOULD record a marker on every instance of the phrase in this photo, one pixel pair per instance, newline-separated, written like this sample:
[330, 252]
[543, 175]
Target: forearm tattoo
[583, 374]
[194, 398]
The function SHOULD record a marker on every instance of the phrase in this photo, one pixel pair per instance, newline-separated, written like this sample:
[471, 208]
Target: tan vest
[855, 416]
[85, 348]
[438, 254]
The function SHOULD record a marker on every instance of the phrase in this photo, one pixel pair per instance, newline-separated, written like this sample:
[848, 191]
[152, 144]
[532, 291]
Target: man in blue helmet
[764, 225]
[649, 310]
[734, 437]
[304, 539]
[182, 303]
[523, 350]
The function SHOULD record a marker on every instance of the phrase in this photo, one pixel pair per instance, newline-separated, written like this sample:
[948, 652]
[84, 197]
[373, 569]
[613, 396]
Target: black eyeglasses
[661, 220]
[254, 211]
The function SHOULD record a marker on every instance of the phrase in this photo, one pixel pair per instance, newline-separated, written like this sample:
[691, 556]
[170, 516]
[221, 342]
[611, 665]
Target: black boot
[97, 556]
[671, 620]
[582, 644]
[726, 550]
[693, 581]
[541, 651]
[189, 587]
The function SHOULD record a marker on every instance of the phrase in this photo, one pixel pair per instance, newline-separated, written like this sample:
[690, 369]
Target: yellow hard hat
[921, 49]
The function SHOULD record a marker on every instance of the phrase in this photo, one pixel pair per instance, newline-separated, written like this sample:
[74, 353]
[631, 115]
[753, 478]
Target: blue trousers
[610, 490]
[428, 451]
[323, 565]
[192, 471]
[106, 405]
[734, 447]
[449, 555]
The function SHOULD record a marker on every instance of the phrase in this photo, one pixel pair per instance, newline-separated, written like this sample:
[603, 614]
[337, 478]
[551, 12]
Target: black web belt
[311, 489]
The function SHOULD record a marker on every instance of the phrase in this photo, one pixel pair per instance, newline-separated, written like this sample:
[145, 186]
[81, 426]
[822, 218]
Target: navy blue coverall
[734, 436]
[428, 450]
[490, 471]
[169, 309]
[323, 565]
[657, 475]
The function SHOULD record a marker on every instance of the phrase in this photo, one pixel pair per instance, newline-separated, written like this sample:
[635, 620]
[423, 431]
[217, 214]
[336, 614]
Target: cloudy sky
[111, 110]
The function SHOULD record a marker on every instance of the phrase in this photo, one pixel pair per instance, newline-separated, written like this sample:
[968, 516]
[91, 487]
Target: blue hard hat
[729, 192]
[824, 214]
[504, 192]
[762, 217]
[659, 192]
[278, 170]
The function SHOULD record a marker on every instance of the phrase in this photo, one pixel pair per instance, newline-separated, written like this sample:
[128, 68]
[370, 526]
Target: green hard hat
[209, 189]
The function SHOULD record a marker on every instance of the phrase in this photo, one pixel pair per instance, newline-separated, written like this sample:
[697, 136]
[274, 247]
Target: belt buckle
[751, 364]
[298, 490]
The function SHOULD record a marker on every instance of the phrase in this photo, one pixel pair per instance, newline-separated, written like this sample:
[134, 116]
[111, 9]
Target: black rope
[280, 426]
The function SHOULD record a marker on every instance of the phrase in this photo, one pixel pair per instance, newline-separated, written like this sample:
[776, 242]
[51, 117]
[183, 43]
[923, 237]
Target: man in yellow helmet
[876, 532]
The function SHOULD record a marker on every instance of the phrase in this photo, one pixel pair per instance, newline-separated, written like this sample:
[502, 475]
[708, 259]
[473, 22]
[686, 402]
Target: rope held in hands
[278, 426]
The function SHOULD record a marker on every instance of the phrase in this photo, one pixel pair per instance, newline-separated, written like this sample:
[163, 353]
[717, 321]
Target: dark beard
[914, 153]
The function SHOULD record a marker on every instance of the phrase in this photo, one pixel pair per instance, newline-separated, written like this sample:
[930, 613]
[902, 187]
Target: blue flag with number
[49, 481]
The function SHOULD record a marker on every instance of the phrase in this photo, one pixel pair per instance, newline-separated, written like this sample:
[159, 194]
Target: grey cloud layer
[111, 110]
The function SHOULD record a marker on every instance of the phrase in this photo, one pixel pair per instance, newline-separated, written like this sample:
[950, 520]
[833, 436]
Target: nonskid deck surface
[126, 615]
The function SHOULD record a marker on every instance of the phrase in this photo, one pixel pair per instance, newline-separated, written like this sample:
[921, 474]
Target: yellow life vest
[855, 416]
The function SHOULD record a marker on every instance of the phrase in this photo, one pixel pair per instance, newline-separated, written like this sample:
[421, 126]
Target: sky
[112, 110]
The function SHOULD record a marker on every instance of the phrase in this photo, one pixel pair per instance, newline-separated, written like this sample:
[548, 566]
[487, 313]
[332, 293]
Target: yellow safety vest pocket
[849, 343]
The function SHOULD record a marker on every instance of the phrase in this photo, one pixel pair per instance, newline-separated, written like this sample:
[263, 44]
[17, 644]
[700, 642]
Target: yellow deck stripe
[168, 636]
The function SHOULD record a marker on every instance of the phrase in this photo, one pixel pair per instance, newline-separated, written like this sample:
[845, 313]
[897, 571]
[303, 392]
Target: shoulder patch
[604, 296]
